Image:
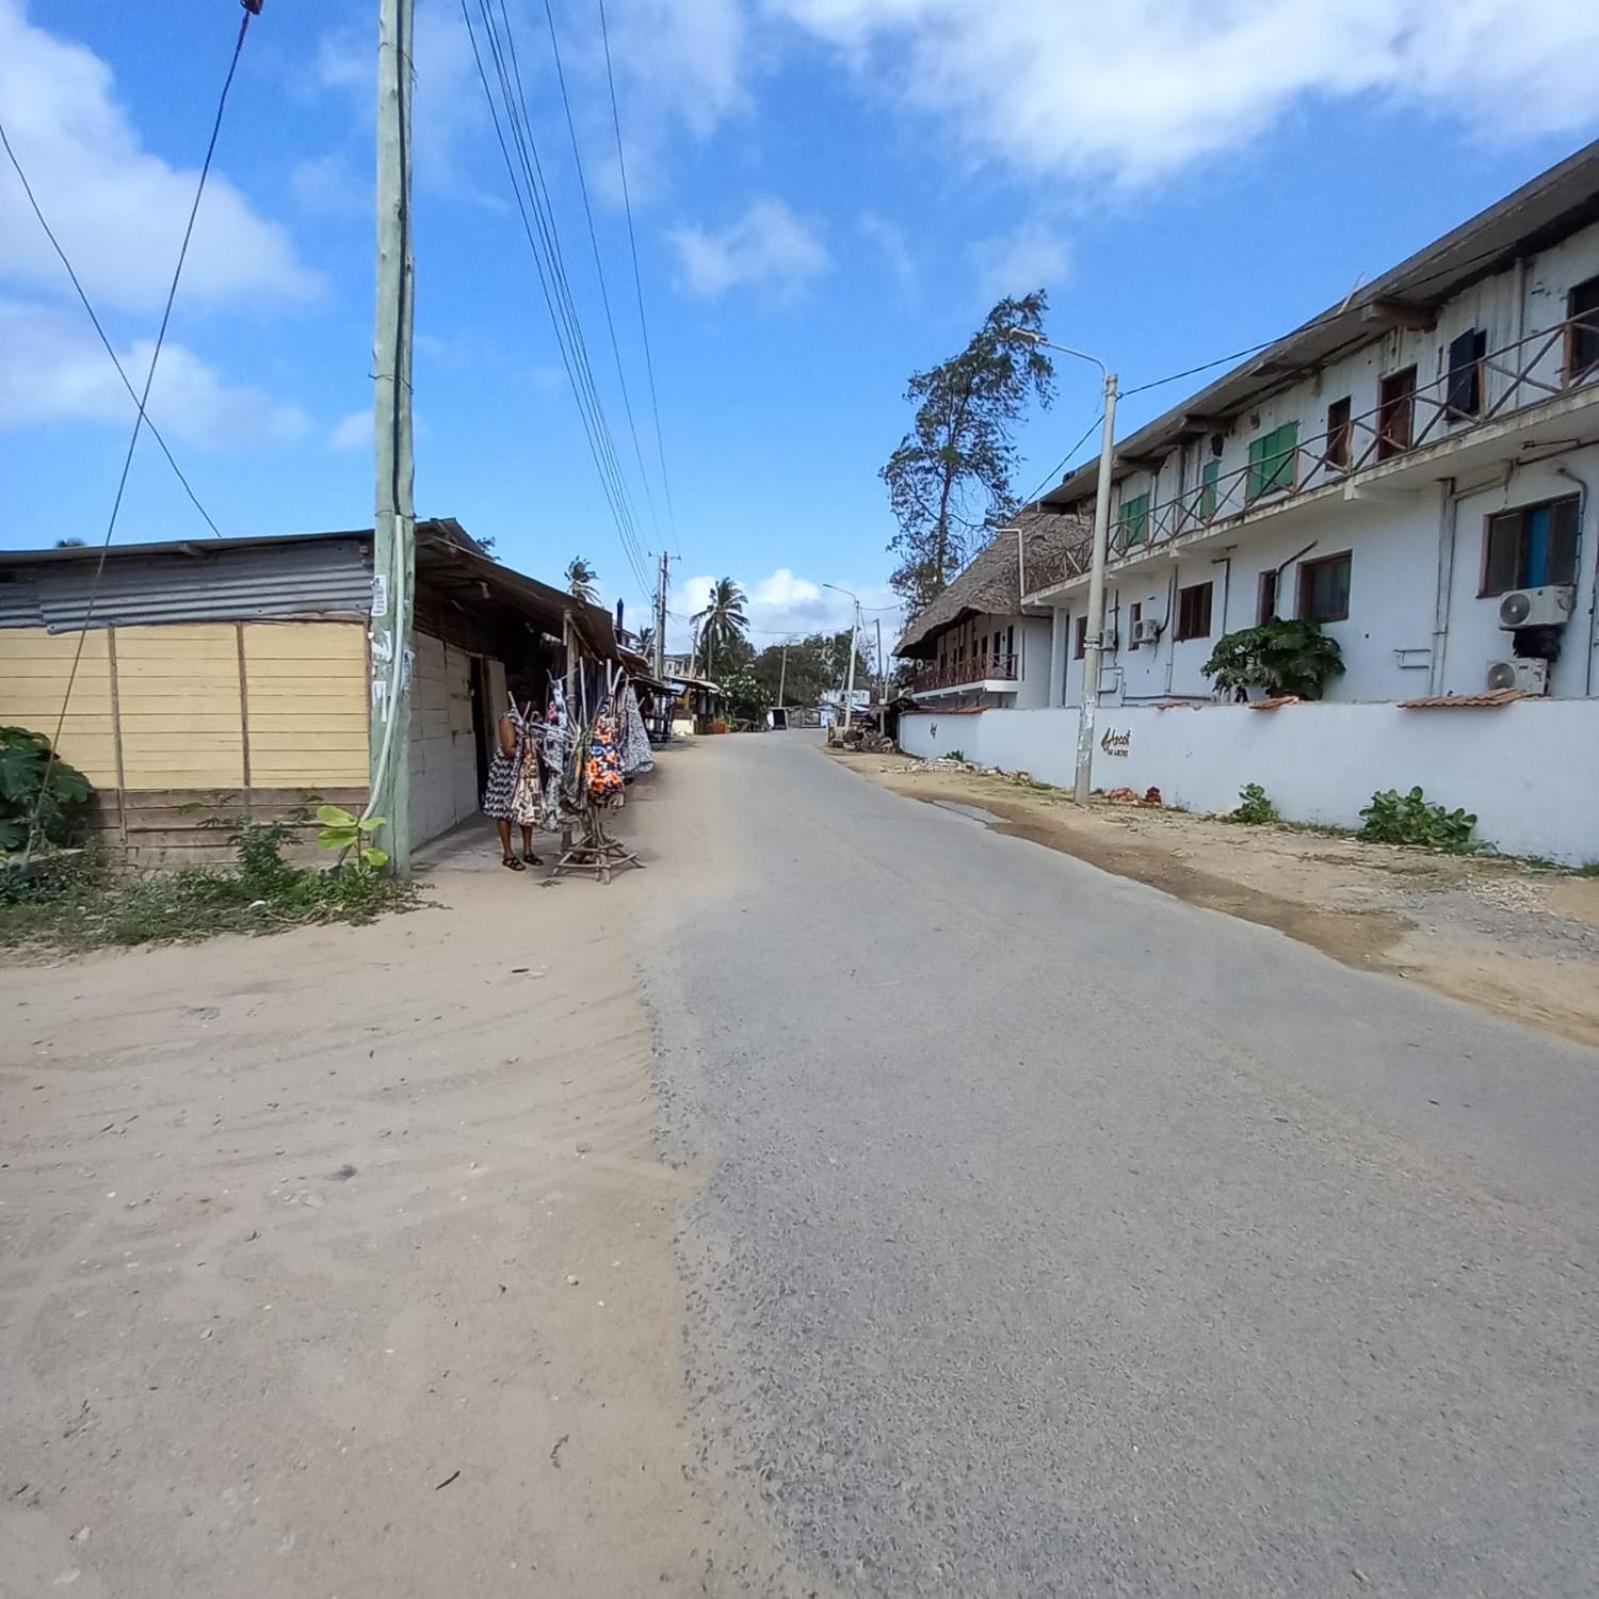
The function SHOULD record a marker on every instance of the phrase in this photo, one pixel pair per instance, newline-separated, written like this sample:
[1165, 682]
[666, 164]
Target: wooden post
[394, 525]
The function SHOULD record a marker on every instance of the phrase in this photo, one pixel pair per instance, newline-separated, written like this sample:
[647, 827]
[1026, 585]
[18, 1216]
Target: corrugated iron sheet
[294, 579]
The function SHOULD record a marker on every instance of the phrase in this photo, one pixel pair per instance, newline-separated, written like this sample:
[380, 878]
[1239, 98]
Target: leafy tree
[26, 769]
[720, 625]
[950, 479]
[69, 544]
[646, 643]
[816, 666]
[1278, 657]
[743, 696]
[583, 580]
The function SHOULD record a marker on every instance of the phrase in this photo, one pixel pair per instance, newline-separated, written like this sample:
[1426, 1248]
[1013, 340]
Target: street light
[1094, 636]
[855, 629]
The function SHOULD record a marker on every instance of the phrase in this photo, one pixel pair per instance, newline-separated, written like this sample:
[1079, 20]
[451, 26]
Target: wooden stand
[595, 853]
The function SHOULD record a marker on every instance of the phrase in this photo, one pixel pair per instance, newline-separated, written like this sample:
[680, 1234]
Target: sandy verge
[1519, 942]
[341, 1262]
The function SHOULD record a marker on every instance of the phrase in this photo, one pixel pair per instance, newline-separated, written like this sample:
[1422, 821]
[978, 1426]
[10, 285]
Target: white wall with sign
[1530, 770]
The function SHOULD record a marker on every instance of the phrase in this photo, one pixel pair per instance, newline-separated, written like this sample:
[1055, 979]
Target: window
[1208, 475]
[1266, 598]
[1531, 546]
[1271, 460]
[1132, 525]
[1582, 337]
[1080, 644]
[1340, 436]
[1135, 615]
[1396, 413]
[1324, 588]
[1463, 390]
[1193, 611]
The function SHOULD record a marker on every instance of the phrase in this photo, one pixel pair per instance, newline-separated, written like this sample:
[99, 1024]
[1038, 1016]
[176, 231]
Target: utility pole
[660, 620]
[394, 522]
[782, 675]
[1094, 640]
[849, 690]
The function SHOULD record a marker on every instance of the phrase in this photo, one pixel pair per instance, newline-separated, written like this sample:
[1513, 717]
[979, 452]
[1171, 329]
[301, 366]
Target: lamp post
[854, 636]
[1094, 636]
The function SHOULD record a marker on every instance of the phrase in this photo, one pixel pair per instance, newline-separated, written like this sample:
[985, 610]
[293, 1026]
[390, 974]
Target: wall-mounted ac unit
[1549, 606]
[1146, 631]
[1531, 677]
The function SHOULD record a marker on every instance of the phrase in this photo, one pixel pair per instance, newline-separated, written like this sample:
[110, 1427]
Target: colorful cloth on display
[637, 756]
[512, 793]
[557, 746]
[603, 773]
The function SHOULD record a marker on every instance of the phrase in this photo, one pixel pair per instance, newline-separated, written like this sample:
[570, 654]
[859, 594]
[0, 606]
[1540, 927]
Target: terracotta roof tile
[1464, 702]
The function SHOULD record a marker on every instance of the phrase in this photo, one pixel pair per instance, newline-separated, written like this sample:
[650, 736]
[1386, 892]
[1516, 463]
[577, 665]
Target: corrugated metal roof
[226, 581]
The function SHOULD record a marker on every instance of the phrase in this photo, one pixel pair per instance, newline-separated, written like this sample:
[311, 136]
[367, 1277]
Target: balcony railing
[958, 674]
[1542, 366]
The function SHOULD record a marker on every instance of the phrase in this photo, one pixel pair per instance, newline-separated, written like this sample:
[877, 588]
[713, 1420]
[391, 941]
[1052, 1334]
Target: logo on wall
[1114, 743]
[933, 730]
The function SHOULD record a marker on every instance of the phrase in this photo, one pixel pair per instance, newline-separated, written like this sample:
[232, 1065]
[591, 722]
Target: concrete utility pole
[660, 620]
[882, 667]
[1094, 641]
[854, 644]
[782, 675]
[394, 522]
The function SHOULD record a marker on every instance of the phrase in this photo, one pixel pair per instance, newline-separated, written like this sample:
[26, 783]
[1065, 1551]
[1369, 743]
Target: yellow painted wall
[181, 709]
[307, 688]
[34, 668]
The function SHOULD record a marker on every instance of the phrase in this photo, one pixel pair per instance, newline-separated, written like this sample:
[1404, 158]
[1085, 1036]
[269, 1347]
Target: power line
[138, 423]
[538, 225]
[599, 269]
[49, 233]
[1052, 477]
[638, 285]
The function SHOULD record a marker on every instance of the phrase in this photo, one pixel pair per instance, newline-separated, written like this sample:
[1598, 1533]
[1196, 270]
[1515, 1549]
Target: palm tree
[583, 580]
[722, 620]
[646, 643]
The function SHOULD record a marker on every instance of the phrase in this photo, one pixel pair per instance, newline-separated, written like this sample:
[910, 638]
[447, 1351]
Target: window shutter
[1464, 396]
[1502, 567]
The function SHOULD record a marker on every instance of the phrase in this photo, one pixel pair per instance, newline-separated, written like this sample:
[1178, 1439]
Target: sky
[826, 195]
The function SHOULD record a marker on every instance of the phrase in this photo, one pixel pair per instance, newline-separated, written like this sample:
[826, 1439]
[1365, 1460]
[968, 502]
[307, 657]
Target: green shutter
[1207, 489]
[1132, 524]
[1271, 460]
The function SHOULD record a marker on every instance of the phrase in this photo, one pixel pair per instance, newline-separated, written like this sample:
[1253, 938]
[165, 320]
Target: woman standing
[514, 788]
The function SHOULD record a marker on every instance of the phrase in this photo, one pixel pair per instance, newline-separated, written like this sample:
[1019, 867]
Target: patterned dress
[512, 794]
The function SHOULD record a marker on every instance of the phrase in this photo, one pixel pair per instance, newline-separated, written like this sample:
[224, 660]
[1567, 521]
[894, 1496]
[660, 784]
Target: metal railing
[1539, 367]
[974, 669]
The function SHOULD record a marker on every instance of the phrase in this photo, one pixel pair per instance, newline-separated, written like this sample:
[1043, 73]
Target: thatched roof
[1054, 547]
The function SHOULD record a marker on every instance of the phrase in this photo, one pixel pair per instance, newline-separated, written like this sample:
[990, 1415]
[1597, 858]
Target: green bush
[1395, 818]
[25, 770]
[956, 755]
[1276, 658]
[1253, 809]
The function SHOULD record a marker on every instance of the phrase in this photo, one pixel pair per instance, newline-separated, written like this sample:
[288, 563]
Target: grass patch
[74, 901]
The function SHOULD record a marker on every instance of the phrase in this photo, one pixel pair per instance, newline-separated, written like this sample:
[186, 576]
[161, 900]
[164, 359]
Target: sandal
[532, 860]
[511, 863]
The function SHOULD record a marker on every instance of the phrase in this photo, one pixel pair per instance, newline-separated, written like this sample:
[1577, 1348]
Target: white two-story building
[1414, 469]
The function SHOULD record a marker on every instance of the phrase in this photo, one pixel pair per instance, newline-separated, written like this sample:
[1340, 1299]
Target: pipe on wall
[1583, 497]
[1448, 520]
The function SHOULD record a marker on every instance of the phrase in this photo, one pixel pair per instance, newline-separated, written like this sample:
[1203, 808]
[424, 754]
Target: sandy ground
[1516, 941]
[340, 1263]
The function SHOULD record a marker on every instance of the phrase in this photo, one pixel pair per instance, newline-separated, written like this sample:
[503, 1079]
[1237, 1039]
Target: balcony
[992, 673]
[1518, 387]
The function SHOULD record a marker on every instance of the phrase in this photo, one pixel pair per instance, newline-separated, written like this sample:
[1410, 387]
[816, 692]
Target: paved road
[1064, 1239]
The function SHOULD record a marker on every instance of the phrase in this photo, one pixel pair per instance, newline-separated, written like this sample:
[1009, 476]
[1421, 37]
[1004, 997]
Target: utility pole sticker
[380, 596]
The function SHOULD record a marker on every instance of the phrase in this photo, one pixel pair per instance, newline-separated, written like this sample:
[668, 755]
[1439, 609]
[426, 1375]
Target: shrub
[1276, 658]
[956, 755]
[1253, 809]
[24, 765]
[1395, 818]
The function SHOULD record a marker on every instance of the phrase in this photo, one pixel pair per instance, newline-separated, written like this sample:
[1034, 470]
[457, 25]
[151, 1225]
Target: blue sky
[828, 194]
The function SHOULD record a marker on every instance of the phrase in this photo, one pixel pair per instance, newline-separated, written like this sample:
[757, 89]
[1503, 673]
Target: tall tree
[950, 478]
[583, 580]
[815, 668]
[721, 623]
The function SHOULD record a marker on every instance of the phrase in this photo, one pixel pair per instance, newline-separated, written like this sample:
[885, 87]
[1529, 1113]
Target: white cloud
[352, 432]
[768, 249]
[330, 186]
[782, 603]
[1138, 90]
[1030, 258]
[894, 247]
[118, 210]
[53, 369]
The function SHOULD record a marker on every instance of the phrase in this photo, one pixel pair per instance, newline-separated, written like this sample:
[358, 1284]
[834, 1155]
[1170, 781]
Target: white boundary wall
[1530, 770]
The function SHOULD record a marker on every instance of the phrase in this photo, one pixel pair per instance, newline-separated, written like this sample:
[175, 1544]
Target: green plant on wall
[25, 770]
[346, 833]
[1254, 807]
[1395, 818]
[1276, 658]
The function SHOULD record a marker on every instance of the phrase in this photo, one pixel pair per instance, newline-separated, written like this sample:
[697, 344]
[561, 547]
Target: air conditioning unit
[1146, 631]
[1531, 677]
[1550, 606]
